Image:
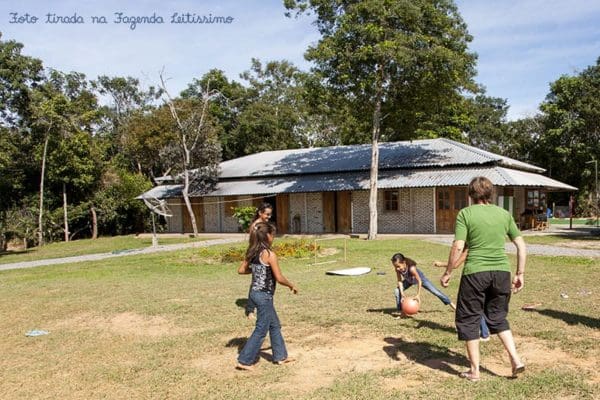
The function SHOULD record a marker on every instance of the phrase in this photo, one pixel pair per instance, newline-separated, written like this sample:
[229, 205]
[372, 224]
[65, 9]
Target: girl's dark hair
[399, 257]
[259, 240]
[262, 208]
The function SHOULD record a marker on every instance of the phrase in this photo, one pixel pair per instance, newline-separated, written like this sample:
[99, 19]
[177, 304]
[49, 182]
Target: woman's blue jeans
[267, 321]
[250, 306]
[484, 331]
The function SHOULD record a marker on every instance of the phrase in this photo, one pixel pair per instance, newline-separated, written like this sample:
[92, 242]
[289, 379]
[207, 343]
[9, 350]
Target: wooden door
[449, 202]
[329, 212]
[198, 209]
[282, 202]
[343, 212]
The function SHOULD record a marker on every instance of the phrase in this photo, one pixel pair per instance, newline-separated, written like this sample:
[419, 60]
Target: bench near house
[422, 185]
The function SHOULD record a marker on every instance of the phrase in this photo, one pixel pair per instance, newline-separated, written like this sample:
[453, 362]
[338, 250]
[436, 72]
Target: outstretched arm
[461, 260]
[244, 268]
[272, 261]
[519, 279]
[453, 261]
[415, 274]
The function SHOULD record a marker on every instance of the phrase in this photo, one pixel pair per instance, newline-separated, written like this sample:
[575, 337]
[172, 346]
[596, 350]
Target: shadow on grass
[423, 323]
[392, 311]
[241, 303]
[429, 355]
[388, 311]
[569, 318]
[240, 342]
[16, 252]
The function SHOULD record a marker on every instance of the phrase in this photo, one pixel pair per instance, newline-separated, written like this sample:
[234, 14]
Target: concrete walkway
[542, 249]
[534, 249]
[102, 256]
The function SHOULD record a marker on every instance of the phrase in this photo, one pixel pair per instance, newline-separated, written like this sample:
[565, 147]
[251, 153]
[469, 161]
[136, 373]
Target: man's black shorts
[482, 293]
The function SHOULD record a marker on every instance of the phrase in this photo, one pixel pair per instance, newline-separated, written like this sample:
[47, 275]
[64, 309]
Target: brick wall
[175, 223]
[415, 212]
[423, 212]
[309, 206]
[360, 211]
[229, 223]
[297, 208]
[314, 205]
[212, 214]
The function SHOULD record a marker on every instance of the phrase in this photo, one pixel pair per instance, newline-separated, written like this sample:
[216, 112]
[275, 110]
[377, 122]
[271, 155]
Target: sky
[522, 45]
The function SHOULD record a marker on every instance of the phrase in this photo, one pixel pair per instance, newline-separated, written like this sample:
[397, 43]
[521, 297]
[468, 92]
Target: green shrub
[244, 216]
[295, 249]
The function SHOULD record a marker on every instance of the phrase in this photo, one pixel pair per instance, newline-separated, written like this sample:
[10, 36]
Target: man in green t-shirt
[485, 285]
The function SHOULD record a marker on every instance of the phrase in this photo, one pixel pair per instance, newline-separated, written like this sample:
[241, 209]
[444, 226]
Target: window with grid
[533, 198]
[443, 200]
[391, 200]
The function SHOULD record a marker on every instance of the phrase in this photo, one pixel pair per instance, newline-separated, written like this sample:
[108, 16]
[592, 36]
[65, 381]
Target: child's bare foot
[285, 361]
[439, 264]
[251, 316]
[452, 306]
[470, 376]
[517, 368]
[244, 367]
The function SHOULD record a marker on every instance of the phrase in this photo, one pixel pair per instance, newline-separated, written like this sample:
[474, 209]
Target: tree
[486, 127]
[404, 60]
[73, 160]
[119, 212]
[275, 117]
[147, 135]
[197, 144]
[128, 102]
[19, 74]
[571, 134]
[225, 109]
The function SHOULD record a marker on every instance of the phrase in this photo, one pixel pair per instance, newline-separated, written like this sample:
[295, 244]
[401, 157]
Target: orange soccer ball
[410, 306]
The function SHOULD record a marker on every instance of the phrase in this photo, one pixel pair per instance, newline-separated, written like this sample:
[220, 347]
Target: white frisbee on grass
[350, 271]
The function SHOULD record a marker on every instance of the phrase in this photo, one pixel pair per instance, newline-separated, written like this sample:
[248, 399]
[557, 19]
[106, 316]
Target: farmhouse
[422, 186]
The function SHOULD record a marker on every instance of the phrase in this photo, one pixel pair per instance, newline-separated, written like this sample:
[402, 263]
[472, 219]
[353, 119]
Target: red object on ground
[410, 306]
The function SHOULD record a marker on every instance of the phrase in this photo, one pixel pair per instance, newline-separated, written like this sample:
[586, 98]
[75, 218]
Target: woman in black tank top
[261, 262]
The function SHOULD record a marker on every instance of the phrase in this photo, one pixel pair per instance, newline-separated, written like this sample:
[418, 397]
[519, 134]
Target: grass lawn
[87, 246]
[576, 221]
[170, 325]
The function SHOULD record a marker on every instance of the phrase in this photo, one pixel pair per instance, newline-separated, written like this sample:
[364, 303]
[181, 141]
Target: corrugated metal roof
[499, 176]
[162, 192]
[392, 155]
[434, 177]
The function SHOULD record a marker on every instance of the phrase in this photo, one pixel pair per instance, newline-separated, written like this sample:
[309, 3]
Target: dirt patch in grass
[124, 324]
[333, 353]
[328, 251]
[538, 356]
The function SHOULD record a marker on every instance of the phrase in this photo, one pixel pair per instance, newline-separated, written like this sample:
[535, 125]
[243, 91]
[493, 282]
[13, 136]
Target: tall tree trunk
[94, 222]
[374, 166]
[65, 214]
[40, 232]
[188, 203]
[374, 173]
